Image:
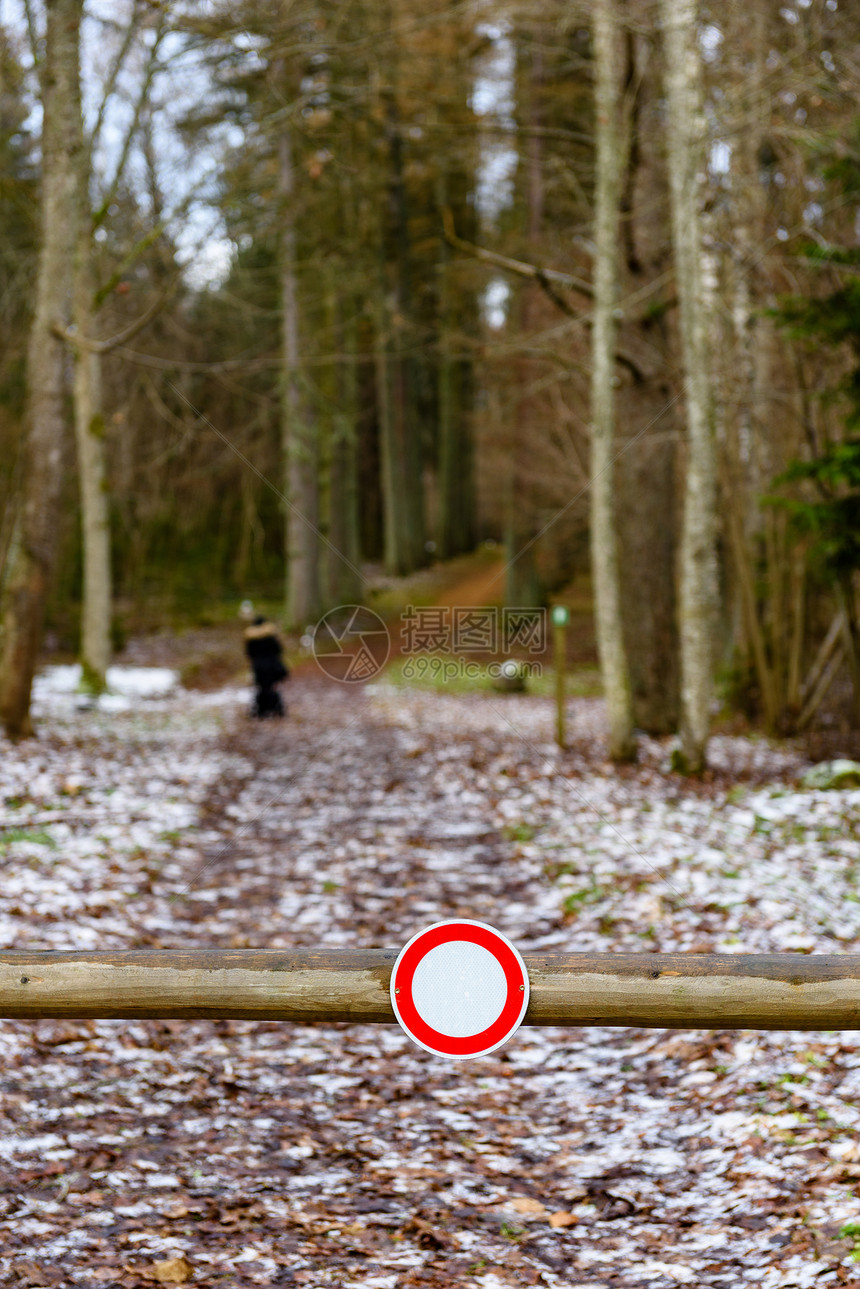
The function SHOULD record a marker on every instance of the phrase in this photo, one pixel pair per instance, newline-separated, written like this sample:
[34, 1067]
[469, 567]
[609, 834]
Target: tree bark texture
[604, 545]
[344, 556]
[697, 583]
[34, 549]
[90, 423]
[523, 587]
[456, 520]
[398, 372]
[390, 448]
[764, 632]
[299, 441]
[90, 428]
[647, 426]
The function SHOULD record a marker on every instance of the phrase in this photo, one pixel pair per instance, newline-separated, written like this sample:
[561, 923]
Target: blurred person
[265, 653]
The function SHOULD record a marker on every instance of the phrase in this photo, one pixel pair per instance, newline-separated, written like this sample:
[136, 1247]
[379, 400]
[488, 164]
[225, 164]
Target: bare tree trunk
[90, 426]
[851, 637]
[300, 450]
[455, 384]
[687, 159]
[34, 550]
[767, 641]
[390, 452]
[404, 368]
[647, 425]
[344, 582]
[92, 471]
[399, 490]
[522, 581]
[604, 549]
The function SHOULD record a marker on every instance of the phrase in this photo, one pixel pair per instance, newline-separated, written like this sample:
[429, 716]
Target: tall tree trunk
[344, 582]
[522, 580]
[34, 550]
[647, 425]
[399, 430]
[523, 587]
[604, 550]
[851, 636]
[456, 475]
[447, 473]
[90, 425]
[767, 637]
[390, 448]
[299, 440]
[449, 428]
[456, 456]
[92, 472]
[687, 160]
[403, 368]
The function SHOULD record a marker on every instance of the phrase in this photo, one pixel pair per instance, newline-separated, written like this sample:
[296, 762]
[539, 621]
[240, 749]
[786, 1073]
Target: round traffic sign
[459, 989]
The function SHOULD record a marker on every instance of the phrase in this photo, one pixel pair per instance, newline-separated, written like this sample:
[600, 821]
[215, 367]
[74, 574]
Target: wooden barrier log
[676, 990]
[234, 984]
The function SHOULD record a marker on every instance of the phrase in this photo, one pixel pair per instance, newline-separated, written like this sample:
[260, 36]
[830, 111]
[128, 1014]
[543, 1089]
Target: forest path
[245, 1153]
[484, 586]
[466, 580]
[355, 819]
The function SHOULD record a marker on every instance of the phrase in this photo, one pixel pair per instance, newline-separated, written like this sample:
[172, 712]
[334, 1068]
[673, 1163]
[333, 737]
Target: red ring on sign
[471, 1044]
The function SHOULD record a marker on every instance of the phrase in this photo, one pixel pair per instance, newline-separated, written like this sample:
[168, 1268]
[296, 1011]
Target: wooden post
[560, 619]
[675, 990]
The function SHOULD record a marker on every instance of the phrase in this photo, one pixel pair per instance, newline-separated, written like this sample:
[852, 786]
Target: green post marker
[560, 619]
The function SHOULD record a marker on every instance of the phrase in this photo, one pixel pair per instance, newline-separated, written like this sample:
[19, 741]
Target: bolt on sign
[459, 989]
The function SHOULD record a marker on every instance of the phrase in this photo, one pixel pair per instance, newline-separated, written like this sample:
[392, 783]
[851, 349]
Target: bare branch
[33, 38]
[129, 332]
[106, 346]
[146, 85]
[546, 278]
[113, 75]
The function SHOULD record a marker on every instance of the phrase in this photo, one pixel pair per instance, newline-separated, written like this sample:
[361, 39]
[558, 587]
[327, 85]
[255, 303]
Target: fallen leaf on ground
[429, 1236]
[372, 1132]
[562, 1218]
[169, 1271]
[529, 1207]
[32, 1274]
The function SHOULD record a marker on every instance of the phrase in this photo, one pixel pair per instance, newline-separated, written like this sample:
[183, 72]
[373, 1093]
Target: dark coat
[266, 656]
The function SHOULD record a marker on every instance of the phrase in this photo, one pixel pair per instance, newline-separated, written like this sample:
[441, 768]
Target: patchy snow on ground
[244, 1153]
[59, 688]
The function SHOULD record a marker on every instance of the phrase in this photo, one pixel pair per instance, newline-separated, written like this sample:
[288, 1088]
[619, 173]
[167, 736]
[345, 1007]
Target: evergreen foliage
[830, 519]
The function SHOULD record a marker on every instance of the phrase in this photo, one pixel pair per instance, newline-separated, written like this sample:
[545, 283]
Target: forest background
[329, 289]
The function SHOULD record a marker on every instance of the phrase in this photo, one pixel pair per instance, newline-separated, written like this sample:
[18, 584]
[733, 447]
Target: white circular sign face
[459, 989]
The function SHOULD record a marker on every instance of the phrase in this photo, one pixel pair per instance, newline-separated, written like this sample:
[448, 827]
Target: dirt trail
[481, 587]
[485, 586]
[340, 1156]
